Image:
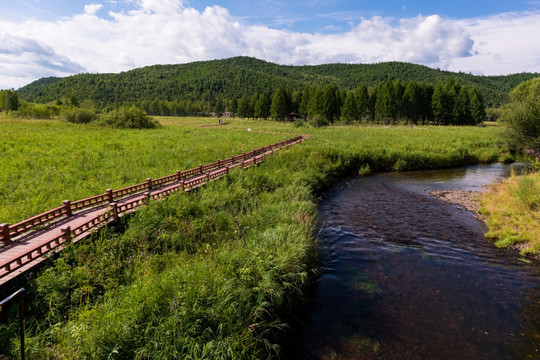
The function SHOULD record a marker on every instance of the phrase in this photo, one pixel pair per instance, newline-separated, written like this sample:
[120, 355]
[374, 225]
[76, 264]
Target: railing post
[109, 195]
[227, 170]
[4, 233]
[218, 163]
[146, 199]
[200, 168]
[67, 208]
[182, 185]
[178, 175]
[66, 233]
[149, 184]
[114, 209]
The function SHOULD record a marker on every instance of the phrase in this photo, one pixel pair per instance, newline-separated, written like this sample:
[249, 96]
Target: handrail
[8, 232]
[7, 302]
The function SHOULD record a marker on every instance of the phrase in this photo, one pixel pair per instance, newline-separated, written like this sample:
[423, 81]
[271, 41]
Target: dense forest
[207, 84]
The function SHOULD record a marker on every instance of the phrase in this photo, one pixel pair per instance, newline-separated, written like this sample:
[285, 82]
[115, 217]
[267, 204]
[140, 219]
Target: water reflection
[406, 276]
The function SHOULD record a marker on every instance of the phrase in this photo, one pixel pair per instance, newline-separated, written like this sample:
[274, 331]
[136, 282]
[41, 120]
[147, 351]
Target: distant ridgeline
[227, 85]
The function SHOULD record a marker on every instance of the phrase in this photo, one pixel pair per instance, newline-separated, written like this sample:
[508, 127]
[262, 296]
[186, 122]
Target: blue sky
[61, 37]
[325, 16]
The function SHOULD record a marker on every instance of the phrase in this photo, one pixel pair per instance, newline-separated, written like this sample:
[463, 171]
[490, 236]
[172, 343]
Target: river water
[404, 275]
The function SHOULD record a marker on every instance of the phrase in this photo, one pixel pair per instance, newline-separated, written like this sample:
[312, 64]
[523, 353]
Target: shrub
[79, 116]
[128, 118]
[318, 121]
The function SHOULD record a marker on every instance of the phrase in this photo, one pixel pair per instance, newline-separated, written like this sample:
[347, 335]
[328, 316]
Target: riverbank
[512, 208]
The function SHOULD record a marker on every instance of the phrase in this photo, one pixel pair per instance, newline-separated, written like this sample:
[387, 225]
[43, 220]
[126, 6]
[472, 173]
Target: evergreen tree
[279, 106]
[233, 106]
[262, 107]
[303, 107]
[316, 107]
[243, 107]
[349, 111]
[462, 108]
[425, 107]
[386, 104]
[442, 104]
[410, 103]
[373, 95]
[332, 103]
[219, 107]
[252, 103]
[399, 89]
[362, 101]
[478, 108]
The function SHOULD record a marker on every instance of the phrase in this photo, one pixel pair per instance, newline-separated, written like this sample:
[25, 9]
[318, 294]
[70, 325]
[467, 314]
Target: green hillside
[231, 78]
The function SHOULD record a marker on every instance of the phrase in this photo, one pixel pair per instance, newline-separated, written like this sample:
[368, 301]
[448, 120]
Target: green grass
[215, 274]
[46, 162]
[513, 210]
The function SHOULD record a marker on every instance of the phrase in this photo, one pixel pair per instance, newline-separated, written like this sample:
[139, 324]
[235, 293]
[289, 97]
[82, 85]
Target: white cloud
[23, 60]
[169, 31]
[504, 43]
[92, 9]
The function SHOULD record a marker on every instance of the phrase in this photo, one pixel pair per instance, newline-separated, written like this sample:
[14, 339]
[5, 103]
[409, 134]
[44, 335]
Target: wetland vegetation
[220, 272]
[212, 274]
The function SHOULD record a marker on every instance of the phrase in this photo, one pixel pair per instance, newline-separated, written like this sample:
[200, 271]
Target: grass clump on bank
[513, 210]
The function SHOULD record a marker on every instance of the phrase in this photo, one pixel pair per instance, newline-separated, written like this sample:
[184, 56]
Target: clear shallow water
[406, 276]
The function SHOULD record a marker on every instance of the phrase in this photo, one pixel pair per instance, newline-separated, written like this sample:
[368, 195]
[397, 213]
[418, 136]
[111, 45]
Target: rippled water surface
[406, 276]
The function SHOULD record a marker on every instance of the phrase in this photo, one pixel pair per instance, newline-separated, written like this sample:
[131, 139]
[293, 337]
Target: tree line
[389, 102]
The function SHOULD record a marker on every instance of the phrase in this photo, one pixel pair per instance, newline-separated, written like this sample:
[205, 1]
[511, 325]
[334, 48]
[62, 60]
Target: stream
[404, 275]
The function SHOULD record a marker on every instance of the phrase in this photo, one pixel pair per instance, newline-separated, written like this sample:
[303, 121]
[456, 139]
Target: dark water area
[404, 275]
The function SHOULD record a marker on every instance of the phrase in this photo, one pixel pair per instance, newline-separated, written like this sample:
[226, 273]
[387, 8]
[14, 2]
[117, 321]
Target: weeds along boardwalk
[29, 242]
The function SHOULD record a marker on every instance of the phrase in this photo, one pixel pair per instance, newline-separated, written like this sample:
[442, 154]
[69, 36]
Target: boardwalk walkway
[31, 241]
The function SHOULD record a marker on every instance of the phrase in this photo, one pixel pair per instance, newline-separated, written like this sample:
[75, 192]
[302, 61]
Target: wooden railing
[186, 181]
[191, 181]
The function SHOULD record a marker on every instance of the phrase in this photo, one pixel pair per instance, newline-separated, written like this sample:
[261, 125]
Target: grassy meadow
[214, 274]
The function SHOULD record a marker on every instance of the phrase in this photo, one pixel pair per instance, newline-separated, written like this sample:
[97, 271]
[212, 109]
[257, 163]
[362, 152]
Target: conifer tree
[243, 107]
[279, 106]
[462, 108]
[362, 101]
[349, 111]
[478, 108]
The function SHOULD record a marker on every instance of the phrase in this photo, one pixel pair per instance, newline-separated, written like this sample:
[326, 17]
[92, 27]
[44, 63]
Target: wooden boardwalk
[31, 241]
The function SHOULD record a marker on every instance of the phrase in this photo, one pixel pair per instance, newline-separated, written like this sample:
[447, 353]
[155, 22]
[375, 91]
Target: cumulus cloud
[170, 31]
[92, 9]
[504, 43]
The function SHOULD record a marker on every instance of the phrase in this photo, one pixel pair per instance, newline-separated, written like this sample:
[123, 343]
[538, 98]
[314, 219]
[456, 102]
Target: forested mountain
[223, 80]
